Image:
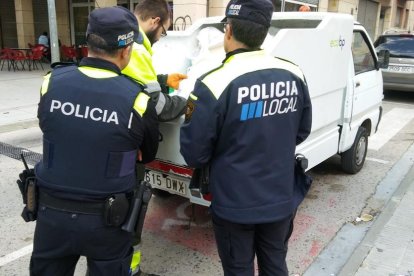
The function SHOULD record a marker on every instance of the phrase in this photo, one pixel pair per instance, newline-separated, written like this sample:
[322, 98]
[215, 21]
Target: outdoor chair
[45, 51]
[34, 56]
[5, 56]
[69, 53]
[18, 56]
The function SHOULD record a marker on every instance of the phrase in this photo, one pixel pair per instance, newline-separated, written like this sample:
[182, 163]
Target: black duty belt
[91, 208]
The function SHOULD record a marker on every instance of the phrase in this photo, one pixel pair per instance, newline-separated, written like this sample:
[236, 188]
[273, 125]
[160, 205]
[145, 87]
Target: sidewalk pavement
[387, 248]
[19, 96]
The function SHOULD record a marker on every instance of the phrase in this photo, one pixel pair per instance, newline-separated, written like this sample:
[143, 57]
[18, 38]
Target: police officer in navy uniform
[95, 122]
[244, 120]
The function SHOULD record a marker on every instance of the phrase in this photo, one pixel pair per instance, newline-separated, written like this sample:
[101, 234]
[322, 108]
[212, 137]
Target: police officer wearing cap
[244, 120]
[95, 122]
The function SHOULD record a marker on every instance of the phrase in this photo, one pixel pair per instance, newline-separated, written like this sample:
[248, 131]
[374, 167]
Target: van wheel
[353, 159]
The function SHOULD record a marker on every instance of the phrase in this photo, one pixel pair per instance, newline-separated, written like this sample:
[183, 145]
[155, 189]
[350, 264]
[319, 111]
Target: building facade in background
[22, 21]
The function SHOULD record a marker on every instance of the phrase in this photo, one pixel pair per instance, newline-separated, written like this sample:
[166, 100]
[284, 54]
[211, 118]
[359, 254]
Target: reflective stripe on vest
[153, 87]
[140, 104]
[45, 84]
[160, 103]
[89, 71]
[97, 73]
[231, 70]
[194, 97]
[136, 259]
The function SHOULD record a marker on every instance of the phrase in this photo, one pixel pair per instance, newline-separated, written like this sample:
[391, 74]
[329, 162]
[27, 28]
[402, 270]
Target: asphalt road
[178, 238]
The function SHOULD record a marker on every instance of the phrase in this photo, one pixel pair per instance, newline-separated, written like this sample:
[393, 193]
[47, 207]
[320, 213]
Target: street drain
[31, 157]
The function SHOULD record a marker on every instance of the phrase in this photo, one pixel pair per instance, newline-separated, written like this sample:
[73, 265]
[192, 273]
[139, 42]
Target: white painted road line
[391, 123]
[377, 160]
[16, 255]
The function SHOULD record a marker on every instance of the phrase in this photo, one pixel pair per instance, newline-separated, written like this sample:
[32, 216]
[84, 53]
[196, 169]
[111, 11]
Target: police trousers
[238, 244]
[61, 237]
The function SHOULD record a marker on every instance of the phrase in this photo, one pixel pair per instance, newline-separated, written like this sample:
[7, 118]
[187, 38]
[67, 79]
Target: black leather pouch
[116, 209]
[303, 181]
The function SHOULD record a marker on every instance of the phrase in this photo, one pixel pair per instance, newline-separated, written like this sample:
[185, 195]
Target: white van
[339, 63]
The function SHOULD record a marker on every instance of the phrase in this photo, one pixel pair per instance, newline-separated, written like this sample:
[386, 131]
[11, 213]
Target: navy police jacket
[94, 120]
[244, 119]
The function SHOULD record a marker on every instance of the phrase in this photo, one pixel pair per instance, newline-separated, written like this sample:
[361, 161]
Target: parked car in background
[400, 72]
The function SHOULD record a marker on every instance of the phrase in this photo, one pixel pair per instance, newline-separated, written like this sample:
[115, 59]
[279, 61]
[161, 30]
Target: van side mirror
[383, 59]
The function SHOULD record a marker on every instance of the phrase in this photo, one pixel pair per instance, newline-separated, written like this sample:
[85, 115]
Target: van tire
[353, 159]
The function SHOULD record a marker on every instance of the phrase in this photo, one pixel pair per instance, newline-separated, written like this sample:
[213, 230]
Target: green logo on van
[337, 42]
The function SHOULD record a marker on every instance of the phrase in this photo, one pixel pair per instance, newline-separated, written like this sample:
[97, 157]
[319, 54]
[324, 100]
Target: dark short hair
[98, 45]
[146, 9]
[249, 33]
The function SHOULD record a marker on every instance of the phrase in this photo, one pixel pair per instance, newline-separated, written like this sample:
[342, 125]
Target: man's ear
[125, 53]
[229, 32]
[156, 20]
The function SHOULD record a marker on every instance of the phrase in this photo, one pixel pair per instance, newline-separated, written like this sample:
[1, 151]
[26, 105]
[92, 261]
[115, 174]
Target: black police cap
[257, 11]
[116, 25]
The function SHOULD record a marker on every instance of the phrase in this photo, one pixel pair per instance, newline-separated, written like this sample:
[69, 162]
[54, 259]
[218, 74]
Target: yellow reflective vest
[141, 69]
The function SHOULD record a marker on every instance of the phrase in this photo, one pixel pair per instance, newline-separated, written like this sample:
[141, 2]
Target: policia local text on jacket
[247, 127]
[94, 120]
[140, 67]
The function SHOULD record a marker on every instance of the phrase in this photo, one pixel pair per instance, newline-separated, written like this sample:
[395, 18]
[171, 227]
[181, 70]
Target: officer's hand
[173, 80]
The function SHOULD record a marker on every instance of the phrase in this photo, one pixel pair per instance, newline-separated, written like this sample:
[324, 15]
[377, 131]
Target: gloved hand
[173, 80]
[21, 182]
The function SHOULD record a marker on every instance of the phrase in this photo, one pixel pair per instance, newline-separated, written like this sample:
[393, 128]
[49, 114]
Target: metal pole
[1, 34]
[282, 8]
[54, 42]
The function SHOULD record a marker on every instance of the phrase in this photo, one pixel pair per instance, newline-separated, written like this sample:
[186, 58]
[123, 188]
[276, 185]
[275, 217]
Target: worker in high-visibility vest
[154, 19]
